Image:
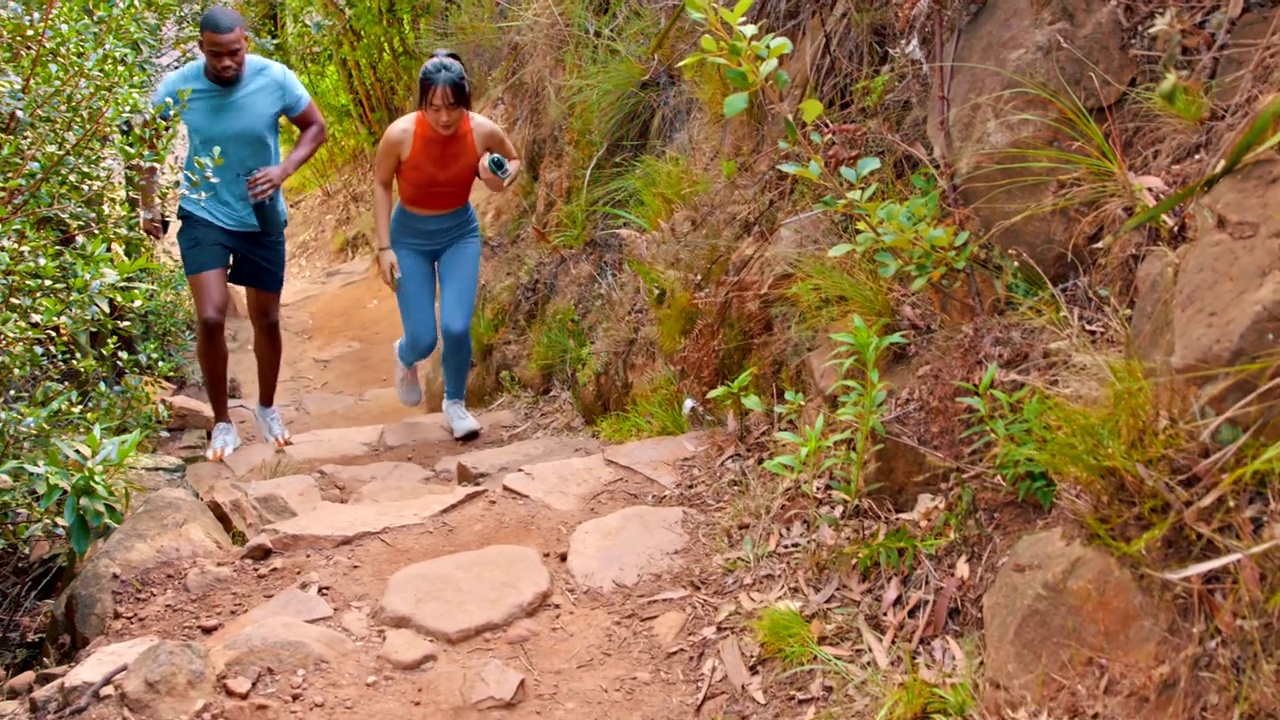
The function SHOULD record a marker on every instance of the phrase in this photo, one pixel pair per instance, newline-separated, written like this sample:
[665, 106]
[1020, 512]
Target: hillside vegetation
[779, 219]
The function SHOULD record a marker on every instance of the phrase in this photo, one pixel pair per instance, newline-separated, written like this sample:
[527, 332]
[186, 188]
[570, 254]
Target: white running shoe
[407, 385]
[461, 423]
[223, 442]
[272, 426]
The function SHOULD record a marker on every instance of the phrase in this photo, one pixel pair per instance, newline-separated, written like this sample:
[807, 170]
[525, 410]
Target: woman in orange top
[434, 155]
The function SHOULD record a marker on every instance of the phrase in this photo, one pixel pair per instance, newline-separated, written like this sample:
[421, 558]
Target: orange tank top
[440, 169]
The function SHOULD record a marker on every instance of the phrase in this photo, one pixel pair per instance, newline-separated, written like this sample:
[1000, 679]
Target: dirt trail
[371, 488]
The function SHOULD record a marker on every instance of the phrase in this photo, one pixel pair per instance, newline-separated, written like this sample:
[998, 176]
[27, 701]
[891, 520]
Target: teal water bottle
[499, 166]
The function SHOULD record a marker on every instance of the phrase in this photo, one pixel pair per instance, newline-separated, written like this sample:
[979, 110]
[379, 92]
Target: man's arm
[314, 132]
[305, 115]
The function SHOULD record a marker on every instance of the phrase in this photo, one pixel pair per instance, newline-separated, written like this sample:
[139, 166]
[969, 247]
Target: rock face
[152, 472]
[284, 497]
[168, 679]
[459, 596]
[1024, 38]
[1056, 608]
[170, 525]
[1215, 303]
[619, 549]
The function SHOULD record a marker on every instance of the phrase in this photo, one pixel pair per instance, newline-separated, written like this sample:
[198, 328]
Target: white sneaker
[407, 384]
[223, 442]
[461, 423]
[272, 426]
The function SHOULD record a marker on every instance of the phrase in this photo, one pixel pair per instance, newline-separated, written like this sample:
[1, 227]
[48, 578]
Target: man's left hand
[266, 181]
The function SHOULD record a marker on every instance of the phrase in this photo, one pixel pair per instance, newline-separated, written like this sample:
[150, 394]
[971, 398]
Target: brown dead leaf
[891, 595]
[873, 644]
[668, 595]
[1234, 8]
[734, 668]
[962, 569]
[755, 688]
[961, 668]
[825, 594]
[938, 621]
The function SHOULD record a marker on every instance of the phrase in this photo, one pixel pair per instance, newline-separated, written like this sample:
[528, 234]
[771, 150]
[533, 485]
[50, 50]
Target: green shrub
[89, 313]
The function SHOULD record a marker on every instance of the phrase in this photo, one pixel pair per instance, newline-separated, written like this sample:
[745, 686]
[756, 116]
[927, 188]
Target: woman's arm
[384, 172]
[494, 140]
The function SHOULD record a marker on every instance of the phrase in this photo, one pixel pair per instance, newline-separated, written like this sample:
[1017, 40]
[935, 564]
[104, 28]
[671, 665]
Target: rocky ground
[377, 564]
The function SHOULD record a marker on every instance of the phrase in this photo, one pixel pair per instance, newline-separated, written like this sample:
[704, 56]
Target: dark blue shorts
[253, 259]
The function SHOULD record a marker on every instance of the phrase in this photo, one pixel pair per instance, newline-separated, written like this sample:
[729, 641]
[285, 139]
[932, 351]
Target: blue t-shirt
[243, 122]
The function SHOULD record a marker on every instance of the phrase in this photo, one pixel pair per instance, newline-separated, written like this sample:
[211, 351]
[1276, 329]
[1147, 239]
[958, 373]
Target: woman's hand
[491, 181]
[389, 267]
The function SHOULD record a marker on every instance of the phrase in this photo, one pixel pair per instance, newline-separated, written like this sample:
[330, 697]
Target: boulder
[282, 498]
[284, 644]
[1075, 45]
[18, 685]
[171, 525]
[151, 472]
[1057, 609]
[1214, 304]
[187, 413]
[168, 680]
[235, 511]
[80, 678]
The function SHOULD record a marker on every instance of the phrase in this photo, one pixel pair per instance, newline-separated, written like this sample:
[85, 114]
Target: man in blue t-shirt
[233, 228]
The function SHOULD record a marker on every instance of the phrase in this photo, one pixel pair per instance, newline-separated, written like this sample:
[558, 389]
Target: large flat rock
[475, 467]
[459, 596]
[350, 478]
[336, 443]
[656, 458]
[334, 524]
[293, 604]
[284, 497]
[619, 549]
[562, 484]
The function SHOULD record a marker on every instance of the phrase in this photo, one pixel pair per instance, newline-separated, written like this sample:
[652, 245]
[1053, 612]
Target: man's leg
[209, 294]
[205, 250]
[258, 265]
[268, 346]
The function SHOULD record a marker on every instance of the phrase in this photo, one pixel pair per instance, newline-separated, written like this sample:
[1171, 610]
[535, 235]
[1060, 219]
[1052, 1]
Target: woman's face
[443, 113]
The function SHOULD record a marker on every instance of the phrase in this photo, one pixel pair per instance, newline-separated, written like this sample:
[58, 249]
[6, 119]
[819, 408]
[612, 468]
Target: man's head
[223, 42]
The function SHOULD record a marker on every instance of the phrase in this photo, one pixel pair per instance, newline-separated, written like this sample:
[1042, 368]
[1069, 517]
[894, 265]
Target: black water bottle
[268, 213]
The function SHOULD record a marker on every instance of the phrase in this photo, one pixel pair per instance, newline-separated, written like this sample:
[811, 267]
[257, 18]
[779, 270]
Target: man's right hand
[151, 224]
[389, 267]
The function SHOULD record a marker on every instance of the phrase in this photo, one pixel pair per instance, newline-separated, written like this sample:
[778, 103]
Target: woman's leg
[416, 296]
[459, 269]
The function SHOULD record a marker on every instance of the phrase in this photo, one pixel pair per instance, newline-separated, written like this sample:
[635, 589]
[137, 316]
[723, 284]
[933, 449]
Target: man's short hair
[221, 20]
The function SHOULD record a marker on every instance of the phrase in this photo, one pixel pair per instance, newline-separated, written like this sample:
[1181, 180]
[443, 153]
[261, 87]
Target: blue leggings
[448, 247]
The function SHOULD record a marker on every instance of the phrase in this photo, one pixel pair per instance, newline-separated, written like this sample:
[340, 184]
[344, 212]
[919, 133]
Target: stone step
[617, 550]
[456, 597]
[565, 485]
[656, 458]
[495, 463]
[334, 524]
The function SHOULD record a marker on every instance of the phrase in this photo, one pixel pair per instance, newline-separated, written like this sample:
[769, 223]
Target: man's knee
[212, 319]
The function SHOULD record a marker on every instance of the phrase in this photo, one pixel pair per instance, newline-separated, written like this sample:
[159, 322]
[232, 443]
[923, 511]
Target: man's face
[223, 56]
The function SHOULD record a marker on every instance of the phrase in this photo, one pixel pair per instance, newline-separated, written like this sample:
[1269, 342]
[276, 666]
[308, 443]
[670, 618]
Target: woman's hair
[444, 69]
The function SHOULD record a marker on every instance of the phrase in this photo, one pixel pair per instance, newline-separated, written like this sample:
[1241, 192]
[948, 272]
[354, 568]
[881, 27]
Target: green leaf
[768, 66]
[782, 80]
[868, 165]
[79, 534]
[740, 9]
[709, 44]
[736, 103]
[840, 250]
[780, 45]
[738, 78]
[810, 109]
